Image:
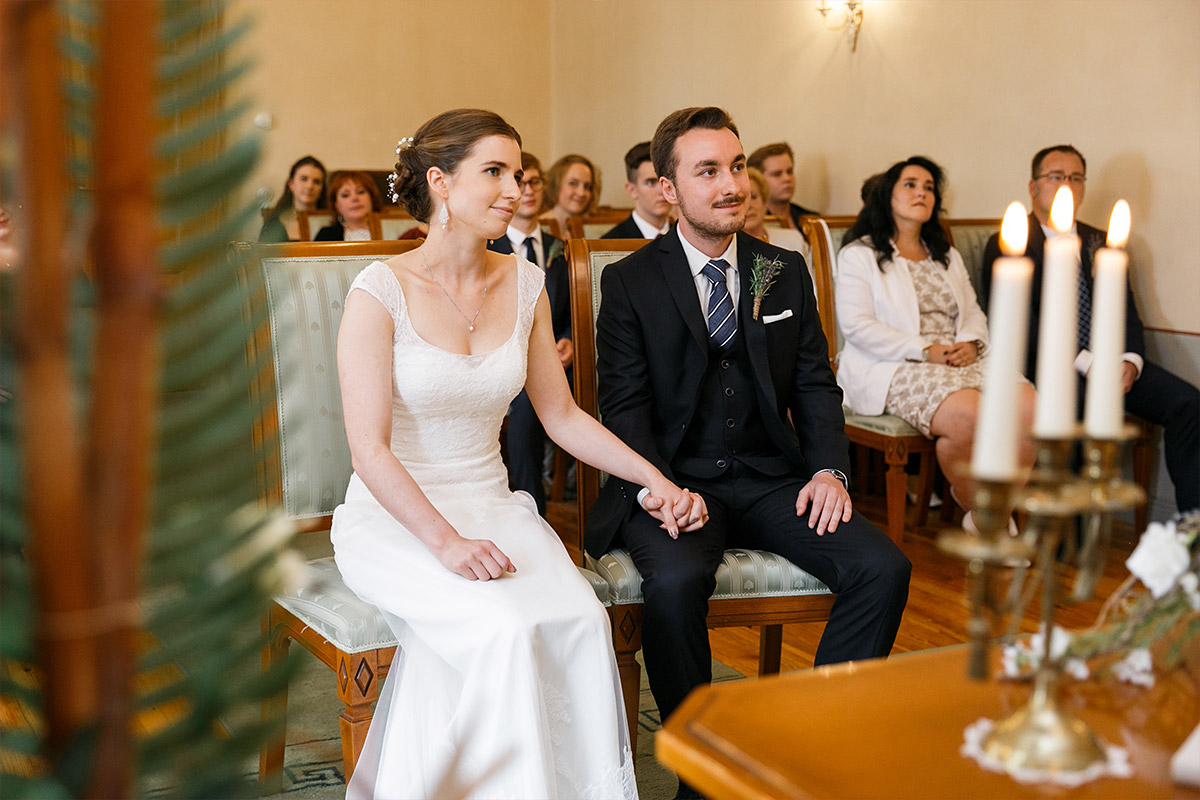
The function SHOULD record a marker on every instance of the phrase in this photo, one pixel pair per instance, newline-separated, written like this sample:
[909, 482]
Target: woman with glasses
[915, 334]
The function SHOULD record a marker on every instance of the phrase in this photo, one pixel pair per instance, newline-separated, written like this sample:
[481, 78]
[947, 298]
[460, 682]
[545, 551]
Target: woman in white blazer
[915, 336]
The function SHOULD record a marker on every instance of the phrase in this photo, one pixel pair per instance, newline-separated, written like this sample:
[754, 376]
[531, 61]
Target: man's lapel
[679, 281]
[502, 244]
[752, 329]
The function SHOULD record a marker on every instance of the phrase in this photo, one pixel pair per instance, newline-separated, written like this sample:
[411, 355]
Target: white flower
[1191, 585]
[1010, 660]
[1077, 668]
[1137, 668]
[1059, 641]
[1159, 559]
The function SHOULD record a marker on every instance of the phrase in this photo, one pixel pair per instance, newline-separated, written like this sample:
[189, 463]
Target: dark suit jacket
[1090, 240]
[653, 348]
[625, 229]
[558, 282]
[334, 232]
[797, 211]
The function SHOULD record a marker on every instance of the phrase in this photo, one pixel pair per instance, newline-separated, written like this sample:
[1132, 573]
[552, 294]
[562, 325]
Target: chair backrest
[587, 260]
[823, 263]
[304, 286]
[310, 222]
[596, 224]
[970, 236]
[772, 221]
[392, 223]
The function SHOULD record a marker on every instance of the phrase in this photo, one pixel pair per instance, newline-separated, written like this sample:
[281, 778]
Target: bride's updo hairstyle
[442, 142]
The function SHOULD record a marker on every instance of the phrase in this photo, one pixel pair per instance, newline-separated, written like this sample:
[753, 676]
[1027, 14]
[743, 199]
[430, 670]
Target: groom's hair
[662, 147]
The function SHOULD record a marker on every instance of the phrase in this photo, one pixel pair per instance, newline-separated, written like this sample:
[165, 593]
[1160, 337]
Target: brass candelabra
[1041, 735]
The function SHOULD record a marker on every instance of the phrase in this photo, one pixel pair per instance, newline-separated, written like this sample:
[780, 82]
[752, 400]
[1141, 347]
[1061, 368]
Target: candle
[995, 453]
[1105, 399]
[1058, 338]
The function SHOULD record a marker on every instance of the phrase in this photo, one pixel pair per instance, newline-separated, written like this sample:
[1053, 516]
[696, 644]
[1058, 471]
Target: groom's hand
[829, 500]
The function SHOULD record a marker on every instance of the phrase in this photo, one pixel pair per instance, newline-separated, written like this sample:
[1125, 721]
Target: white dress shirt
[648, 230]
[518, 243]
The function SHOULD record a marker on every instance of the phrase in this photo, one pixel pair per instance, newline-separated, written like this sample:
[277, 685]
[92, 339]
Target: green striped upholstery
[743, 574]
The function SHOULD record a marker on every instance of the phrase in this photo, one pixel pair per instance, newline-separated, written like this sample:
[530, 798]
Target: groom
[702, 384]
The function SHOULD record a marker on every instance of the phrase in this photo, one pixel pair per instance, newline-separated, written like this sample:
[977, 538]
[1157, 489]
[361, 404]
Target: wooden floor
[937, 609]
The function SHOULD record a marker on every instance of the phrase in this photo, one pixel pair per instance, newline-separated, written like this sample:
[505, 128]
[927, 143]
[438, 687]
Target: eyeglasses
[1076, 178]
[532, 183]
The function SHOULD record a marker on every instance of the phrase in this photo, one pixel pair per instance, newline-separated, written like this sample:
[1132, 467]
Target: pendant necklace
[471, 319]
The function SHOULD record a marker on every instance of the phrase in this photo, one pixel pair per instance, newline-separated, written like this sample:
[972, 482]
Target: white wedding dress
[501, 689]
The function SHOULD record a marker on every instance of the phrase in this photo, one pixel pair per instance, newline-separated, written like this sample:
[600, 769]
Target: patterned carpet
[313, 760]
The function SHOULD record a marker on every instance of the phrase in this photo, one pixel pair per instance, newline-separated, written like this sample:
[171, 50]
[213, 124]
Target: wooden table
[892, 729]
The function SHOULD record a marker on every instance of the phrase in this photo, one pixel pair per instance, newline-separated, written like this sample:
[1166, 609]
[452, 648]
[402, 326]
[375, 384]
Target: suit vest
[727, 425]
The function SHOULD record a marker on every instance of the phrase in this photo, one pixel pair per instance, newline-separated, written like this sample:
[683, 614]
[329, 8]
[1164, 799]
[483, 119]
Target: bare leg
[953, 426]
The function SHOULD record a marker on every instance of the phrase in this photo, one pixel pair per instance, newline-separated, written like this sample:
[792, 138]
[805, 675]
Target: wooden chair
[790, 594]
[888, 434]
[391, 223]
[303, 287]
[310, 222]
[596, 224]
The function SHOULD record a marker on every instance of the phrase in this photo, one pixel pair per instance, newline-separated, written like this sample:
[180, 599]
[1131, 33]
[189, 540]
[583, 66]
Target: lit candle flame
[1062, 210]
[1118, 225]
[1014, 231]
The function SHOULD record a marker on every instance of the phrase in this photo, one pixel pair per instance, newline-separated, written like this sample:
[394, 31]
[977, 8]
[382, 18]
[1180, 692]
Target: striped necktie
[722, 322]
[1084, 320]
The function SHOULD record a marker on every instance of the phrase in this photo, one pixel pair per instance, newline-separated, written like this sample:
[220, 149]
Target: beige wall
[978, 86]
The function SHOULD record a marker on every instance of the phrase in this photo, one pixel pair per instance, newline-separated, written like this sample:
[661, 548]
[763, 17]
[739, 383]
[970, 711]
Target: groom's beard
[718, 226]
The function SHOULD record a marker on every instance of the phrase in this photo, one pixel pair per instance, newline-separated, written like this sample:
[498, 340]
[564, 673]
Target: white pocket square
[769, 318]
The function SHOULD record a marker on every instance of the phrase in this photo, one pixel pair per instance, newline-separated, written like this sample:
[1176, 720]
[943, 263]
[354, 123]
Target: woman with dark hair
[915, 334]
[352, 196]
[304, 190]
[508, 686]
[572, 190]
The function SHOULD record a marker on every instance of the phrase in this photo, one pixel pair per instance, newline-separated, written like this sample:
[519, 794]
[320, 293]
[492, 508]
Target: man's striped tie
[722, 322]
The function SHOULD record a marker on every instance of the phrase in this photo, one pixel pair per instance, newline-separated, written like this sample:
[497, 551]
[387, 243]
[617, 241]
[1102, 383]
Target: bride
[505, 684]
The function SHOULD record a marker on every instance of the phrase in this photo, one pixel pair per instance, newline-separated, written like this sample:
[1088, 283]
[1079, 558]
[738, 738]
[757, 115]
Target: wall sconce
[852, 18]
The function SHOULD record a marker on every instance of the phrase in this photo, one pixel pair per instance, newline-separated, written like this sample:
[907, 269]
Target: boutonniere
[762, 275]
[556, 250]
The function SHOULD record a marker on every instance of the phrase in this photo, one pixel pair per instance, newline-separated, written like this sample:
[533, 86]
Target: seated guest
[1151, 392]
[526, 437]
[787, 238]
[352, 196]
[304, 190]
[650, 217]
[572, 189]
[777, 163]
[915, 334]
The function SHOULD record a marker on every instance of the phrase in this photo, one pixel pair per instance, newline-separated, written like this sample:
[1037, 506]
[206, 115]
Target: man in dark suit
[701, 381]
[649, 218]
[777, 163]
[1151, 392]
[526, 437]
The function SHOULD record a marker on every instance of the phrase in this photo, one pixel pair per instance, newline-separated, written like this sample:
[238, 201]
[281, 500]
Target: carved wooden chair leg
[627, 640]
[770, 649]
[270, 757]
[358, 687]
[896, 457]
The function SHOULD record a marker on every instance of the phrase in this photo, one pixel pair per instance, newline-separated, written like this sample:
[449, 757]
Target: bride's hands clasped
[677, 509]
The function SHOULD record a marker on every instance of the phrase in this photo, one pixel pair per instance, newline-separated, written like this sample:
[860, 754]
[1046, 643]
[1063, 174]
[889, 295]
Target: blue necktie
[722, 322]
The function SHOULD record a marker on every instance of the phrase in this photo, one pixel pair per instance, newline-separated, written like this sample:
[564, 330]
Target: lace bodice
[447, 408]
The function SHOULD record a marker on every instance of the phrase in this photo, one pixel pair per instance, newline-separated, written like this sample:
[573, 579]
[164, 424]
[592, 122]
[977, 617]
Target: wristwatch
[837, 473]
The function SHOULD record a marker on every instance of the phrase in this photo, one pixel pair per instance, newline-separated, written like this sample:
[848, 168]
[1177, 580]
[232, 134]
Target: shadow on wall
[1127, 176]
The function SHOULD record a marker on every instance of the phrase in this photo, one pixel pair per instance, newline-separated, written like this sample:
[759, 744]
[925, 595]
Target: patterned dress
[918, 389]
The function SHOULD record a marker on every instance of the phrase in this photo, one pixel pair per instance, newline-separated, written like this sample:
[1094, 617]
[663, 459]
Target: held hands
[474, 559]
[677, 509]
[959, 354]
[830, 503]
[566, 351]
